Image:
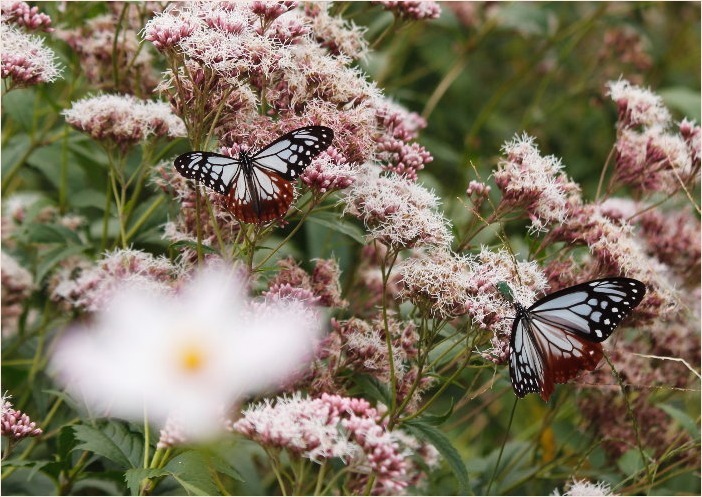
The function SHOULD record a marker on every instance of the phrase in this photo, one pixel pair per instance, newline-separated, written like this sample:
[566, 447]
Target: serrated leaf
[191, 471]
[113, 442]
[445, 448]
[50, 258]
[336, 223]
[135, 476]
[684, 419]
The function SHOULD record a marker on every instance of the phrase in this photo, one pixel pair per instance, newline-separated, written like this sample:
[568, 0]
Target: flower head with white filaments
[190, 355]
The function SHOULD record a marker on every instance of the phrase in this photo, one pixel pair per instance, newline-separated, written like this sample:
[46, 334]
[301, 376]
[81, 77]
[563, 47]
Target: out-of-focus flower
[336, 34]
[16, 425]
[171, 434]
[692, 135]
[25, 58]
[321, 287]
[535, 183]
[653, 160]
[94, 288]
[21, 14]
[637, 106]
[190, 355]
[99, 53]
[331, 426]
[17, 286]
[123, 119]
[412, 10]
[624, 50]
[396, 211]
[585, 488]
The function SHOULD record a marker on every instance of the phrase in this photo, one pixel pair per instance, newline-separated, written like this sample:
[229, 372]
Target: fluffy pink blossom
[17, 286]
[585, 488]
[15, 424]
[396, 211]
[327, 427]
[535, 183]
[637, 106]
[26, 59]
[123, 119]
[328, 172]
[653, 160]
[21, 14]
[336, 34]
[321, 287]
[172, 434]
[412, 10]
[93, 288]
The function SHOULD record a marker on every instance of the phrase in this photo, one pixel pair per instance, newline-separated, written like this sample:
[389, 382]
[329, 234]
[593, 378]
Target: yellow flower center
[192, 358]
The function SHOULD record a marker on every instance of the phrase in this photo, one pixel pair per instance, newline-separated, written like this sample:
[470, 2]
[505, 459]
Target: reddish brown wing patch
[562, 368]
[245, 209]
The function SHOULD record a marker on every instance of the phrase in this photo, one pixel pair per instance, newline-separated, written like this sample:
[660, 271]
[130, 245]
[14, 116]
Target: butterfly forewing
[290, 154]
[593, 309]
[558, 337]
[213, 170]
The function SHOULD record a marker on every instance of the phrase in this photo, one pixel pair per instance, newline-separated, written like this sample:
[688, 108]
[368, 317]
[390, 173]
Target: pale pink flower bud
[16, 424]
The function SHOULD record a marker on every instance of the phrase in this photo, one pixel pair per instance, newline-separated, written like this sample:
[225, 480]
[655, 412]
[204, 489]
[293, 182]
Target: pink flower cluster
[412, 9]
[331, 426]
[649, 157]
[322, 287]
[123, 119]
[534, 183]
[329, 172]
[394, 150]
[99, 52]
[21, 14]
[15, 424]
[93, 288]
[17, 286]
[397, 212]
[26, 59]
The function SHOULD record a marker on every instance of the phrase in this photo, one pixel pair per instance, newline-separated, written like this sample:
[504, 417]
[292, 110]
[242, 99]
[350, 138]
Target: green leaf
[335, 222]
[191, 471]
[113, 442]
[443, 445]
[50, 233]
[193, 245]
[373, 388]
[684, 100]
[630, 462]
[437, 419]
[18, 105]
[689, 424]
[88, 198]
[52, 257]
[220, 464]
[13, 151]
[135, 476]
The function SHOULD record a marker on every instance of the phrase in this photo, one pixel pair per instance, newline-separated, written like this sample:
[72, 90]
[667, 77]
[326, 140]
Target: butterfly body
[560, 335]
[258, 185]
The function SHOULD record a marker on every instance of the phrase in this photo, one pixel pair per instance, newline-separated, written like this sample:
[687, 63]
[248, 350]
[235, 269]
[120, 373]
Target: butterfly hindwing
[290, 154]
[262, 198]
[559, 336]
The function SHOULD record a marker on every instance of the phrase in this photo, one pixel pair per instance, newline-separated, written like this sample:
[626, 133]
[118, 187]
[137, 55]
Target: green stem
[385, 268]
[144, 217]
[502, 448]
[287, 238]
[320, 478]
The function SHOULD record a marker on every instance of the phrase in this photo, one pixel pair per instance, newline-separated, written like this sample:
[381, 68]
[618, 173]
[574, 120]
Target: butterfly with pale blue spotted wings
[560, 335]
[258, 185]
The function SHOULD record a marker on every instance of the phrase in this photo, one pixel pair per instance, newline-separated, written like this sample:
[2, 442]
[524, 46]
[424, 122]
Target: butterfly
[560, 335]
[258, 185]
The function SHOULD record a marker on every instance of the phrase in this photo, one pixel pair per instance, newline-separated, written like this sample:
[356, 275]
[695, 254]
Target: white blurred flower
[190, 355]
[584, 487]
